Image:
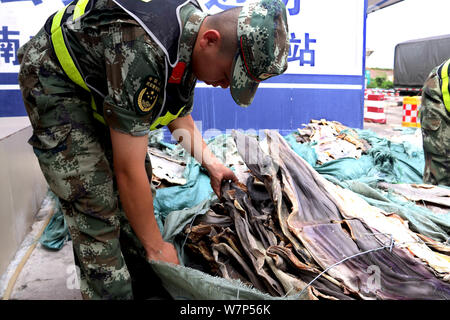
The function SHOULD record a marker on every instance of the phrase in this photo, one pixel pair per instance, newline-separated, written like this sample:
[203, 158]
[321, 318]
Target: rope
[187, 235]
[390, 246]
[22, 263]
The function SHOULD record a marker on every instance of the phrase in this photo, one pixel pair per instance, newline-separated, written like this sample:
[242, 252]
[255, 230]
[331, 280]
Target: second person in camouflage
[435, 123]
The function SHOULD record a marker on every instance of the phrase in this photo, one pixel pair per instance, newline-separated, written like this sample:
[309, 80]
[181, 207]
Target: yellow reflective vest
[444, 75]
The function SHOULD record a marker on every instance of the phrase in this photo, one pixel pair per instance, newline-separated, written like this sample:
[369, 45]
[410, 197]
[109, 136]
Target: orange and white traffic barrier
[411, 107]
[374, 108]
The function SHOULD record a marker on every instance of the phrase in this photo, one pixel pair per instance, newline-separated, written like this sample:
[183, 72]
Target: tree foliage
[381, 83]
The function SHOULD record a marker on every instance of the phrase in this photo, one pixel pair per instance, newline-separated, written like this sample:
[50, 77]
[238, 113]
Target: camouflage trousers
[435, 123]
[75, 156]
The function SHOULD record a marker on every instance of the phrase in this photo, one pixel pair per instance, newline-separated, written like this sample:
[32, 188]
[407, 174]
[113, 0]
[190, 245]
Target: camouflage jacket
[435, 123]
[109, 44]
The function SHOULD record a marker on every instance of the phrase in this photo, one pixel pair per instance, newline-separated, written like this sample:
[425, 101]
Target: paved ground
[393, 121]
[49, 275]
[46, 274]
[394, 114]
[393, 129]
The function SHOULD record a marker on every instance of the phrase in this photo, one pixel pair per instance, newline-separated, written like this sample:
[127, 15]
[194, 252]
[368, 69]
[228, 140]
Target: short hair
[225, 23]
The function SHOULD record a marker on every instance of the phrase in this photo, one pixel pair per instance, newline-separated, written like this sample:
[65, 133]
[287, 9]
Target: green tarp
[385, 161]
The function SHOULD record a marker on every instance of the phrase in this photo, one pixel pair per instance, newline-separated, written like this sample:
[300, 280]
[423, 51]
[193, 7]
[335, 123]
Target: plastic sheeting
[385, 161]
[185, 283]
[56, 233]
[421, 220]
[196, 190]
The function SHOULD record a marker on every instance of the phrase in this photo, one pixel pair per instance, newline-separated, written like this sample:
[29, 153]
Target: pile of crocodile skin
[288, 231]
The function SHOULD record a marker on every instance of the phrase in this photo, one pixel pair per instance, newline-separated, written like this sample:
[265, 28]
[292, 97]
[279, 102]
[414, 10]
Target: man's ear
[210, 37]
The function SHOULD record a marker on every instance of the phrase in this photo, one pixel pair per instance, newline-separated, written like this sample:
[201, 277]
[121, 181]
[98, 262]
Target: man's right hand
[166, 253]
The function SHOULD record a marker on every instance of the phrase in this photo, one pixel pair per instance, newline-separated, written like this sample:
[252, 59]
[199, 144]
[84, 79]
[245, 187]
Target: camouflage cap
[263, 48]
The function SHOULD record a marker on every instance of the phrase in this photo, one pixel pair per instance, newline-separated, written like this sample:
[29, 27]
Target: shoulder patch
[147, 95]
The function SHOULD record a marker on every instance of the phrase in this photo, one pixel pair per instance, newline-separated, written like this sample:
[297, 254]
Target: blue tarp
[56, 233]
[385, 161]
[196, 190]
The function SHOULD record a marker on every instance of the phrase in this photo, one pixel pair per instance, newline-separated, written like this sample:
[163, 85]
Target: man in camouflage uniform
[90, 166]
[435, 122]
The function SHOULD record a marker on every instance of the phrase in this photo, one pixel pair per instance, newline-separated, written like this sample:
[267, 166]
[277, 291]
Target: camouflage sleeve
[432, 86]
[188, 107]
[135, 71]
